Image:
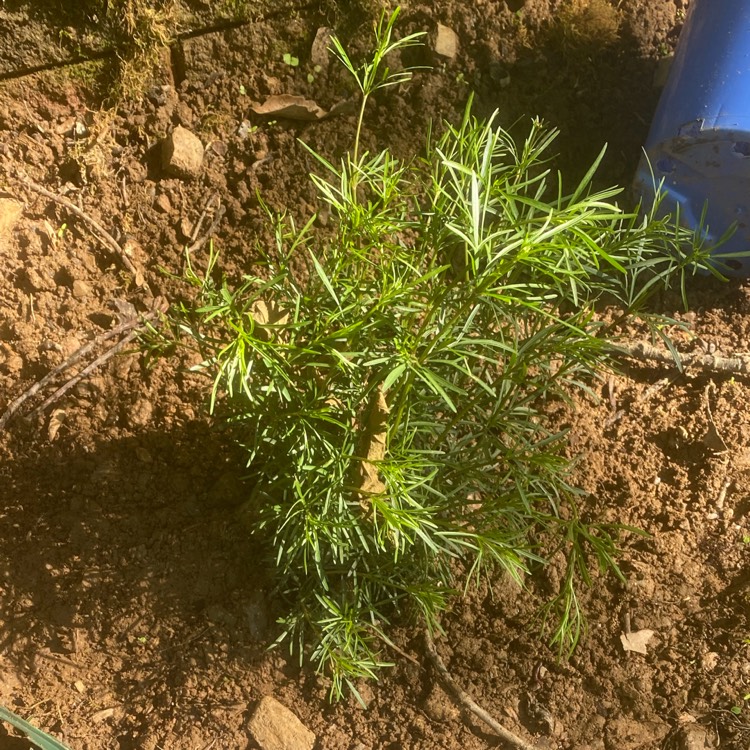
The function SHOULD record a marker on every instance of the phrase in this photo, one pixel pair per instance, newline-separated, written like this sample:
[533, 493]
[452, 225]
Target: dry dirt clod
[182, 154]
[445, 45]
[10, 213]
[692, 737]
[274, 727]
[81, 290]
[439, 707]
[629, 734]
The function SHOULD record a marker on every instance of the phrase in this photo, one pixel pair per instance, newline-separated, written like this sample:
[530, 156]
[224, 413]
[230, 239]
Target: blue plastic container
[699, 142]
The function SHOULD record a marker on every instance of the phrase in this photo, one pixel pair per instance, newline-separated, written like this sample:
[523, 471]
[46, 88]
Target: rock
[10, 213]
[274, 727]
[81, 290]
[182, 154]
[163, 204]
[159, 95]
[446, 42]
[319, 54]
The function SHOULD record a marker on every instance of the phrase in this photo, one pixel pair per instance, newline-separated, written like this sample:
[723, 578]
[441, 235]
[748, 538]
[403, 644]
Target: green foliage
[389, 381]
[41, 739]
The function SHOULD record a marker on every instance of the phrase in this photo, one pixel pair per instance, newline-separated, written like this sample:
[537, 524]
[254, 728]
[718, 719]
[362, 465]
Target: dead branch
[738, 364]
[466, 701]
[198, 242]
[104, 236]
[100, 360]
[129, 327]
[15, 405]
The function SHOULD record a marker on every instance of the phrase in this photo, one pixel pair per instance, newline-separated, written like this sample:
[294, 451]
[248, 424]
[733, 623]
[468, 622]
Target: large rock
[274, 727]
[182, 154]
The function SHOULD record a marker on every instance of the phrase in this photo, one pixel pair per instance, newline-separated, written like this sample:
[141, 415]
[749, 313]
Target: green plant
[374, 74]
[739, 708]
[41, 739]
[291, 60]
[389, 382]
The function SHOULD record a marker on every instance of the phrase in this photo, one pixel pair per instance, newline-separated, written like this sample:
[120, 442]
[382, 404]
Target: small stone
[159, 95]
[319, 54]
[245, 129]
[366, 696]
[163, 204]
[143, 455]
[81, 290]
[274, 727]
[182, 154]
[446, 42]
[10, 213]
[219, 148]
[186, 228]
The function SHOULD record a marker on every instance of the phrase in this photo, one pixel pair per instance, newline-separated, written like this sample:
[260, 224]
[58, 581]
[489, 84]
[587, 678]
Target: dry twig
[738, 363]
[15, 405]
[466, 701]
[196, 242]
[129, 327]
[104, 236]
[100, 360]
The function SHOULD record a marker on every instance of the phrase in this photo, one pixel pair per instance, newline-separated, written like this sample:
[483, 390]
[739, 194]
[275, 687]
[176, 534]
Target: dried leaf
[291, 108]
[636, 641]
[268, 315]
[372, 444]
[713, 440]
[56, 421]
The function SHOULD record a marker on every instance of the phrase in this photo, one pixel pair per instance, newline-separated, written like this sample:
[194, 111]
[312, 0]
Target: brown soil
[135, 612]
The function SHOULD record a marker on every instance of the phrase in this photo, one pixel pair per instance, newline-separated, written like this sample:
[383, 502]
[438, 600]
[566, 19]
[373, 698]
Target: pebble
[446, 42]
[182, 154]
[81, 290]
[274, 727]
[163, 204]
